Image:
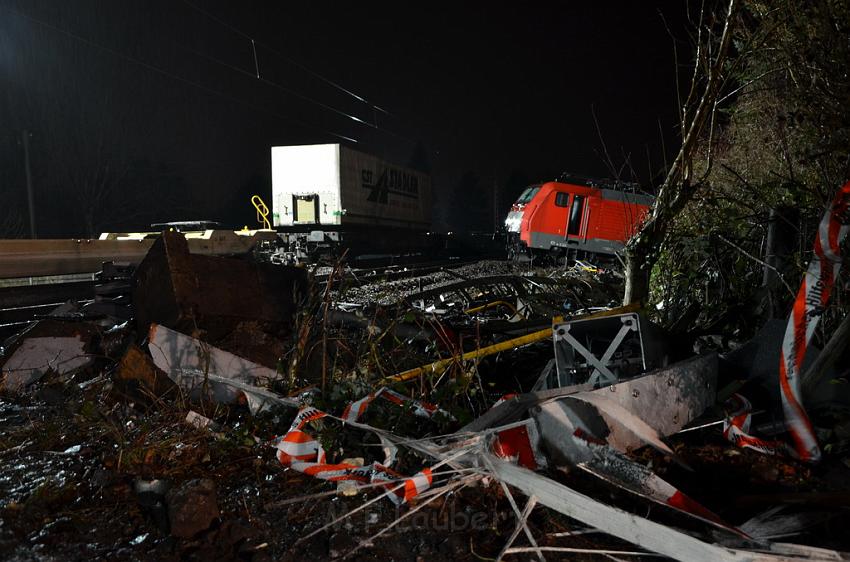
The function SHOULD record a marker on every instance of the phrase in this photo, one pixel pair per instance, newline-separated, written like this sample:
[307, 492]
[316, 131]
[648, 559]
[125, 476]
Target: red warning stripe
[814, 294]
[302, 452]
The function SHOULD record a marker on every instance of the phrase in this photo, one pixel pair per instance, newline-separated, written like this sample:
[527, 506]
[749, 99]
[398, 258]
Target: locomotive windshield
[528, 195]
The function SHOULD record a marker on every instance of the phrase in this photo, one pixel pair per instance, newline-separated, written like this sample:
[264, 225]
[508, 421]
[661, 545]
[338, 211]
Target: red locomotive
[573, 220]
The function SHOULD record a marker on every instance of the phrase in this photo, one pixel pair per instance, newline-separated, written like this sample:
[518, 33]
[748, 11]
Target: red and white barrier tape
[736, 428]
[811, 300]
[302, 452]
[504, 398]
[422, 409]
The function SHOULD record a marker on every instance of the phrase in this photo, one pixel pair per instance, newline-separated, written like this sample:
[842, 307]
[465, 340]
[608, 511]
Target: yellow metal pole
[439, 366]
[262, 211]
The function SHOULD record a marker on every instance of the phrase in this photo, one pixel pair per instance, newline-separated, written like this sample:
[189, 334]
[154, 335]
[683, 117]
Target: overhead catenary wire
[182, 79]
[286, 58]
[278, 86]
[256, 60]
[258, 76]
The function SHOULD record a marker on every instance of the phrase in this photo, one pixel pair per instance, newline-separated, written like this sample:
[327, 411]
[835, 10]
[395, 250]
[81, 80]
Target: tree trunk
[641, 254]
[678, 188]
[637, 278]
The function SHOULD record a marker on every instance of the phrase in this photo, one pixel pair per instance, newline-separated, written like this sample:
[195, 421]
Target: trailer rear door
[306, 208]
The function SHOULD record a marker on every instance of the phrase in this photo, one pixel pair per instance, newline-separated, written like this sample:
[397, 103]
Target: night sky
[164, 96]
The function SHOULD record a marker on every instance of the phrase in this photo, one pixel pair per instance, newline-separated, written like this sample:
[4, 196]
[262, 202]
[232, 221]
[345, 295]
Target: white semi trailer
[330, 184]
[326, 194]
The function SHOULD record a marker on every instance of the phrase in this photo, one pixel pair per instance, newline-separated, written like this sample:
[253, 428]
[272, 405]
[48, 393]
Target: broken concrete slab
[198, 367]
[37, 356]
[189, 292]
[172, 350]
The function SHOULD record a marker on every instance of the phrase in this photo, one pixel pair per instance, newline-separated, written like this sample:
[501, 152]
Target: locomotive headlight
[513, 220]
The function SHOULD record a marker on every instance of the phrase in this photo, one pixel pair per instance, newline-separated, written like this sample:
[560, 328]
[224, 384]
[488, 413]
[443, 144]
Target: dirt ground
[99, 467]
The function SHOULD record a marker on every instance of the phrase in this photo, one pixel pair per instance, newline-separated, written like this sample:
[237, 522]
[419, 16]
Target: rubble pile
[221, 408]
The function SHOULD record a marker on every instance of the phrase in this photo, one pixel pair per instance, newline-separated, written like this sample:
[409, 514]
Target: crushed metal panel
[629, 414]
[638, 530]
[559, 422]
[604, 350]
[566, 425]
[520, 442]
[626, 429]
[35, 356]
[617, 470]
[514, 408]
[669, 398]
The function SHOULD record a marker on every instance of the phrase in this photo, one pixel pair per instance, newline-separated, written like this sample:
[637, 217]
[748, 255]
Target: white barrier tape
[811, 300]
[303, 453]
[736, 429]
[504, 398]
[356, 409]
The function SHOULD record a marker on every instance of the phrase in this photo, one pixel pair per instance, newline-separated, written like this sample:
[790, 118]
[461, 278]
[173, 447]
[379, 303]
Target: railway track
[367, 276]
[23, 303]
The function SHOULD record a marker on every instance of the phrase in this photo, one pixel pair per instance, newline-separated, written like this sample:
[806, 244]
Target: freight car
[566, 219]
[325, 195]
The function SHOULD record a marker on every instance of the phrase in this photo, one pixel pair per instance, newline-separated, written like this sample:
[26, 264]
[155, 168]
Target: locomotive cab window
[528, 195]
[562, 199]
[574, 226]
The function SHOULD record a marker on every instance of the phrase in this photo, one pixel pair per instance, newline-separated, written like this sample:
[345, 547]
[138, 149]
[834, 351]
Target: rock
[136, 371]
[151, 497]
[192, 507]
[340, 543]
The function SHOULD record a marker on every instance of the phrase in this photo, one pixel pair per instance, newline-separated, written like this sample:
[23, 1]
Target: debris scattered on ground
[231, 409]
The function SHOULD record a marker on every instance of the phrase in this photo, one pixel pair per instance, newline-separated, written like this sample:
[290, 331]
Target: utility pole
[496, 217]
[30, 197]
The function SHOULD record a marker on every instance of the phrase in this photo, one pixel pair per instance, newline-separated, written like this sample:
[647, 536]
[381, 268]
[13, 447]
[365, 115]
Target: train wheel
[516, 252]
[558, 256]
